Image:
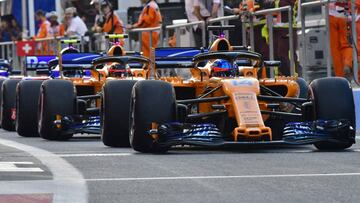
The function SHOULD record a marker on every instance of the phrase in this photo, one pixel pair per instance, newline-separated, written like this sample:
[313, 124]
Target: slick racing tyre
[57, 97]
[27, 99]
[333, 100]
[8, 104]
[152, 102]
[115, 112]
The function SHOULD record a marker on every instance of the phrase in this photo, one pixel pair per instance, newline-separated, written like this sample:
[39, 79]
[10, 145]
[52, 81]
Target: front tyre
[115, 112]
[27, 98]
[333, 100]
[152, 102]
[8, 104]
[57, 97]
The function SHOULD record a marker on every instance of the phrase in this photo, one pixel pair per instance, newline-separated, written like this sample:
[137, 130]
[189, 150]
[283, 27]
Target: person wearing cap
[112, 24]
[55, 28]
[149, 17]
[76, 24]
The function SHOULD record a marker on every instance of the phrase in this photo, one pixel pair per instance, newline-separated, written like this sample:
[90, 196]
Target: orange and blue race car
[71, 102]
[226, 99]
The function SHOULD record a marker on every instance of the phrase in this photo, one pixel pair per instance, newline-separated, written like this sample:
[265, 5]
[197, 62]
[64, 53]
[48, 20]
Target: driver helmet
[222, 68]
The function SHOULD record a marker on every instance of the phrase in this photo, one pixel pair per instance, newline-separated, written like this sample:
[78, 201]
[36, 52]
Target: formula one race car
[227, 101]
[37, 69]
[76, 108]
[122, 73]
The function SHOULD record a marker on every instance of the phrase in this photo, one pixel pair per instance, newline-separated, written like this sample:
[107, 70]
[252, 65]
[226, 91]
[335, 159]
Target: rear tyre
[27, 99]
[152, 102]
[332, 100]
[116, 112]
[57, 97]
[8, 103]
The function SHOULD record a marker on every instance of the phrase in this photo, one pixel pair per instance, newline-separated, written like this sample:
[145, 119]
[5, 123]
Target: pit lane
[241, 174]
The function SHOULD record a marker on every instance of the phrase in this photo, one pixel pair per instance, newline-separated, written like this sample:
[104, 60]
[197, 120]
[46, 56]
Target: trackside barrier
[98, 43]
[8, 51]
[47, 46]
[226, 19]
[43, 46]
[52, 45]
[140, 31]
[178, 27]
[269, 18]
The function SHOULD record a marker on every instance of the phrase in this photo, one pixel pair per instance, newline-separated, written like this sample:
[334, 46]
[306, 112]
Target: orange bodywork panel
[243, 94]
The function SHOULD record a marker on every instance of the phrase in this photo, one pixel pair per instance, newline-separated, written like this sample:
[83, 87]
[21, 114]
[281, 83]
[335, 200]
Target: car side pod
[318, 131]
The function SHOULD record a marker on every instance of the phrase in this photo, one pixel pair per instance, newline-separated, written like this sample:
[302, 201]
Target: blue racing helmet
[222, 68]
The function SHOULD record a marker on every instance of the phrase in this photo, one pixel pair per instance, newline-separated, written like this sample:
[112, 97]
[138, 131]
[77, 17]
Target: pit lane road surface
[84, 170]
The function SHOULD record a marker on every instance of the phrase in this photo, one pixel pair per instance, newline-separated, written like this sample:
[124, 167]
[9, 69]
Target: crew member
[149, 17]
[43, 32]
[340, 47]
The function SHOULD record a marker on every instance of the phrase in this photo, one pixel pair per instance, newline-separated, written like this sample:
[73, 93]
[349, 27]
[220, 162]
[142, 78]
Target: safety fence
[140, 31]
[247, 19]
[98, 43]
[178, 27]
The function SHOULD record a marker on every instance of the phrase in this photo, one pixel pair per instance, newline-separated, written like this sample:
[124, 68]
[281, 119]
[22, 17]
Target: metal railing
[178, 27]
[224, 19]
[140, 31]
[8, 51]
[269, 18]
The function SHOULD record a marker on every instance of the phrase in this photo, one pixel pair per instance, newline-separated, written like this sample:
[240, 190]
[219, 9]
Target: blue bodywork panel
[177, 53]
[33, 63]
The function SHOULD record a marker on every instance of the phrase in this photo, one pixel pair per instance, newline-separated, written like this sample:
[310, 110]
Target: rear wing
[34, 63]
[76, 60]
[176, 57]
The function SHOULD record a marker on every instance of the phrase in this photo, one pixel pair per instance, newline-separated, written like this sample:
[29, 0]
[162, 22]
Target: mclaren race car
[228, 100]
[71, 104]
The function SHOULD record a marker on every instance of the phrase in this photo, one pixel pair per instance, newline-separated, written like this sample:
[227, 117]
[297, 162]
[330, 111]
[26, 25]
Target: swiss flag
[25, 48]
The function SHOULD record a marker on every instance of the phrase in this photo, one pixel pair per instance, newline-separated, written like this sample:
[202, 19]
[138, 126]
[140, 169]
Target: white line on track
[68, 184]
[13, 167]
[225, 177]
[89, 155]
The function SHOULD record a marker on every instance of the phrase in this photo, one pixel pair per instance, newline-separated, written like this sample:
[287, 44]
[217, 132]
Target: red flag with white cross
[25, 48]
